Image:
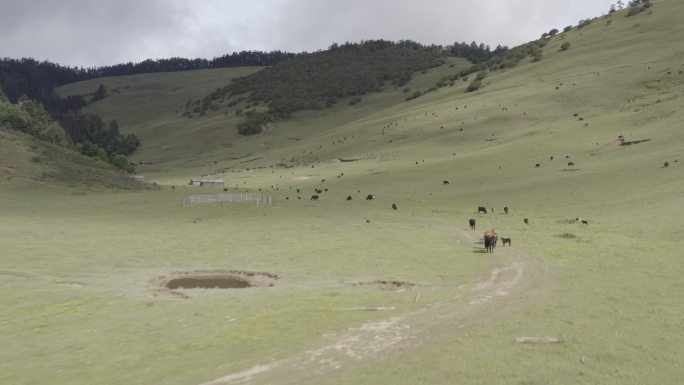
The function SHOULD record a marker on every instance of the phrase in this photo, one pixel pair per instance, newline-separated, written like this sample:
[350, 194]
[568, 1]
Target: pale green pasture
[609, 289]
[79, 303]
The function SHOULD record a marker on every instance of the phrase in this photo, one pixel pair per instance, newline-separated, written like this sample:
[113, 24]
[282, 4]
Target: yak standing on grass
[490, 238]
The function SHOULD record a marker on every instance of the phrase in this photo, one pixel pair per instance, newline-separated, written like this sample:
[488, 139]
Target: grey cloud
[312, 24]
[93, 32]
[82, 32]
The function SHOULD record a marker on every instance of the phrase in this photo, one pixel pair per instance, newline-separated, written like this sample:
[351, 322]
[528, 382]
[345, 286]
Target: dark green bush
[255, 123]
[474, 85]
[636, 10]
[584, 23]
[414, 95]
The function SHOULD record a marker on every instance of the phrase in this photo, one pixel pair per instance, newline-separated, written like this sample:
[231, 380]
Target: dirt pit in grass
[218, 280]
[387, 285]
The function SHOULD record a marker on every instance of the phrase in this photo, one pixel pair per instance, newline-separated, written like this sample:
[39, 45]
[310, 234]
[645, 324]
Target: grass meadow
[80, 266]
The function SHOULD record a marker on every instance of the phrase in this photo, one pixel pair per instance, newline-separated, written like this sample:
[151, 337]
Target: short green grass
[79, 304]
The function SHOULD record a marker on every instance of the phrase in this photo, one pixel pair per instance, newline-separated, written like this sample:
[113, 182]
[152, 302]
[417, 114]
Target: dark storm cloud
[81, 32]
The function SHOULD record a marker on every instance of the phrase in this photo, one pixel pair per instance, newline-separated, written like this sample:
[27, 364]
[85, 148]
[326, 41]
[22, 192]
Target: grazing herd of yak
[490, 236]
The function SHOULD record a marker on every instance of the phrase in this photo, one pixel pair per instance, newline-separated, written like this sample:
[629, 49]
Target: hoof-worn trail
[381, 340]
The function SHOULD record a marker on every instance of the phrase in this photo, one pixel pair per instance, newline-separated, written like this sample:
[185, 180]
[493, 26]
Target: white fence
[227, 198]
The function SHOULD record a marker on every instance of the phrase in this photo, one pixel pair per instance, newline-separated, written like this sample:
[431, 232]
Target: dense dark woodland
[321, 79]
[37, 80]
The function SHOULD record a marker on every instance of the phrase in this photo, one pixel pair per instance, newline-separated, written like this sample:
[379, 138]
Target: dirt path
[365, 342]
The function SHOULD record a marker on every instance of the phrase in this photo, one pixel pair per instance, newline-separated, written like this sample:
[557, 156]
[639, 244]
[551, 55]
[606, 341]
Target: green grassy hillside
[151, 105]
[83, 304]
[29, 163]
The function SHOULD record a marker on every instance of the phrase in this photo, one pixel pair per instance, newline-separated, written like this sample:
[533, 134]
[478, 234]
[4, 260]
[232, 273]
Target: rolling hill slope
[29, 163]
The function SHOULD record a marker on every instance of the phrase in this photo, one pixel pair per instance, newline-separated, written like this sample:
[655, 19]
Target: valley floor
[81, 301]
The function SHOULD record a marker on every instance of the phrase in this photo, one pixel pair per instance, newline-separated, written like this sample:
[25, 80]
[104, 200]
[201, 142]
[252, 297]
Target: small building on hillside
[207, 182]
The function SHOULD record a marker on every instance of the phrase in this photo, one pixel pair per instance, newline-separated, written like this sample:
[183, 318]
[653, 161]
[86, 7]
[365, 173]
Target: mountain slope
[28, 162]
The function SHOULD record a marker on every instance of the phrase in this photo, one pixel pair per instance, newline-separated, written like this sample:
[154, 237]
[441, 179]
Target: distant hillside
[37, 80]
[27, 161]
[322, 79]
[152, 107]
[546, 81]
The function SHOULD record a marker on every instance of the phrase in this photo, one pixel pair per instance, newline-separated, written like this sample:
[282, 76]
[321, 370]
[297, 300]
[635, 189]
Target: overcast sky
[102, 32]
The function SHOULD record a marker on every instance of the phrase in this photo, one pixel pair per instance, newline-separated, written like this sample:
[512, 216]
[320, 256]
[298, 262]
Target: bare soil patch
[232, 279]
[340, 160]
[305, 177]
[8, 170]
[387, 285]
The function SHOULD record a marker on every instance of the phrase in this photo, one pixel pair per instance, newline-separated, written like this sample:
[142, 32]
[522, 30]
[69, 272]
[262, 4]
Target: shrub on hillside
[414, 95]
[567, 29]
[102, 155]
[565, 46]
[584, 23]
[100, 93]
[474, 85]
[255, 123]
[119, 161]
[635, 8]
